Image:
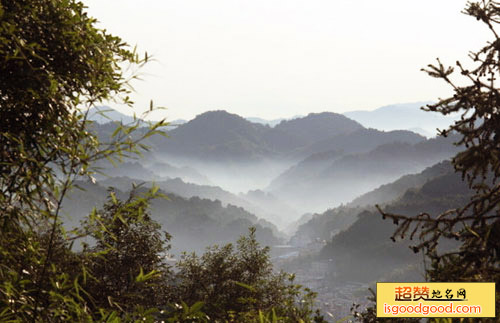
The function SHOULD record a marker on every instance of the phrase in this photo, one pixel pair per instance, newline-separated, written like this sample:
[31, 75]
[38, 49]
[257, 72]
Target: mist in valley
[292, 158]
[276, 183]
[307, 185]
[309, 193]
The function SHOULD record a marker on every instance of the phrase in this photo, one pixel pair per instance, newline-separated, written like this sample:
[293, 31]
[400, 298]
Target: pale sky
[271, 59]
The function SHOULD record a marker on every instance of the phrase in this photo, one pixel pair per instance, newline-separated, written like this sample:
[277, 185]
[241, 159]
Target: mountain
[316, 127]
[364, 251]
[317, 183]
[226, 146]
[222, 136]
[402, 116]
[219, 135]
[327, 224]
[322, 227]
[193, 222]
[265, 206]
[389, 192]
[105, 114]
[178, 187]
[240, 156]
[359, 141]
[358, 246]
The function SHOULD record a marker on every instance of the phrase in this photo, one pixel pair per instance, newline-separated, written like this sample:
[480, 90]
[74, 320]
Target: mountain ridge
[402, 116]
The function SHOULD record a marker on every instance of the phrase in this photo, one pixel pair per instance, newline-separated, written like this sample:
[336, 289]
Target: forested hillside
[328, 179]
[365, 252]
[194, 223]
[324, 226]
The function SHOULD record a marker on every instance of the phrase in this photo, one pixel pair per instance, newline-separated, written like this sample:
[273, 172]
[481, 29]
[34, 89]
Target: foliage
[127, 261]
[54, 65]
[194, 223]
[476, 224]
[240, 284]
[369, 315]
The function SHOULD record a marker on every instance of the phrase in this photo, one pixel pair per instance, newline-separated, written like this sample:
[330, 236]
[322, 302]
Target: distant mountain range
[404, 116]
[222, 136]
[407, 116]
[306, 164]
[321, 174]
[219, 135]
[359, 141]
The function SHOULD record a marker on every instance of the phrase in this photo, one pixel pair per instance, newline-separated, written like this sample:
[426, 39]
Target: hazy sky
[271, 59]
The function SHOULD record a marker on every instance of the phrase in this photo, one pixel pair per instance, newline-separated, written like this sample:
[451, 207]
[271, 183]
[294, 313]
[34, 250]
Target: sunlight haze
[274, 59]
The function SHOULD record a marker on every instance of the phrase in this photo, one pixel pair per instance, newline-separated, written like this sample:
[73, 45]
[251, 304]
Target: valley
[249, 161]
[309, 185]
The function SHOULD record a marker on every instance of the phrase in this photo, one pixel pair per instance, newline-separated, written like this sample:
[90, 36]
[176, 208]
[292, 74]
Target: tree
[476, 225]
[54, 65]
[239, 285]
[127, 261]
